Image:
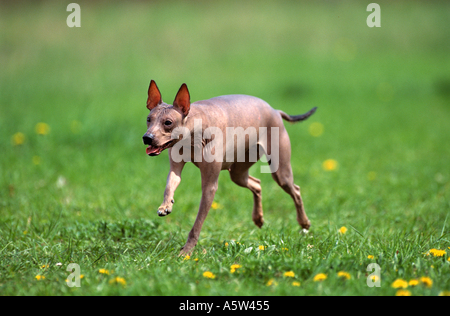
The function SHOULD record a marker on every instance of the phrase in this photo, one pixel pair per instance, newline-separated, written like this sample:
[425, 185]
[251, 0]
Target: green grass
[86, 193]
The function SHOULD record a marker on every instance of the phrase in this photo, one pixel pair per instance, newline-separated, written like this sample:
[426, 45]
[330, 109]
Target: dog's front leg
[173, 180]
[210, 177]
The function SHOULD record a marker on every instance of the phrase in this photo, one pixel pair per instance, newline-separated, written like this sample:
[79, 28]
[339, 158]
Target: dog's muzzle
[153, 149]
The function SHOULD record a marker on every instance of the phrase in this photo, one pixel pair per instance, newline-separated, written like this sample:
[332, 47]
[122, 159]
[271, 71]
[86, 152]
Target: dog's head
[164, 118]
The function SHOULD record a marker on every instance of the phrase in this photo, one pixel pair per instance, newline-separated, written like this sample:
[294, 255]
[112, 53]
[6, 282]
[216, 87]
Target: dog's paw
[164, 210]
[184, 253]
[188, 248]
[258, 220]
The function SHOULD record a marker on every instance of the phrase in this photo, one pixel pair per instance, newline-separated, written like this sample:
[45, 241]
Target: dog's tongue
[152, 150]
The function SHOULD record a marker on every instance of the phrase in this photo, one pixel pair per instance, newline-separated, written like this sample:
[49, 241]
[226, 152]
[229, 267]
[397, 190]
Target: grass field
[77, 187]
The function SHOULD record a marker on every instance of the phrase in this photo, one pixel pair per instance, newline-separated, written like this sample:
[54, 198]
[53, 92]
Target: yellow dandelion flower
[343, 230]
[40, 277]
[413, 282]
[118, 280]
[295, 283]
[42, 128]
[196, 259]
[187, 257]
[399, 283]
[320, 277]
[437, 252]
[343, 274]
[330, 165]
[261, 247]
[271, 282]
[374, 278]
[226, 244]
[370, 257]
[18, 139]
[289, 274]
[234, 267]
[285, 249]
[209, 275]
[44, 266]
[81, 276]
[215, 205]
[427, 281]
[121, 280]
[403, 293]
[444, 293]
[315, 129]
[103, 271]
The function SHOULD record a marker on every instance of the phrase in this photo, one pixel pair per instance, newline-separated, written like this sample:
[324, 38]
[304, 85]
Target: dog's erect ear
[154, 96]
[183, 100]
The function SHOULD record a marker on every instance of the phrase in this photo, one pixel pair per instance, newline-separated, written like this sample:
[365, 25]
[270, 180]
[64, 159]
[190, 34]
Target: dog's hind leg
[285, 179]
[239, 175]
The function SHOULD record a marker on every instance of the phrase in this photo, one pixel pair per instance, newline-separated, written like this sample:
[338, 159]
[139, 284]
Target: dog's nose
[147, 138]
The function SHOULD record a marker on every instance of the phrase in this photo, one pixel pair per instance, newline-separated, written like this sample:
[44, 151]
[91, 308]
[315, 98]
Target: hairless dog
[256, 129]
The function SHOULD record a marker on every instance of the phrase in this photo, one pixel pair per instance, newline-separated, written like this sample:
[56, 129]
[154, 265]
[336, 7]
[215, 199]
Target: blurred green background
[383, 98]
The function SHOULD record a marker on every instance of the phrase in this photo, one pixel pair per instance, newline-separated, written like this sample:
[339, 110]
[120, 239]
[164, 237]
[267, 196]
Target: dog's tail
[297, 118]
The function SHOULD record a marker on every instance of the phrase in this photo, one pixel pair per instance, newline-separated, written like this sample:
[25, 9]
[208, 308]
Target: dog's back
[237, 110]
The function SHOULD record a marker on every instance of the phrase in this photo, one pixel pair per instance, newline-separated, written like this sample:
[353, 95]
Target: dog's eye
[148, 119]
[168, 123]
